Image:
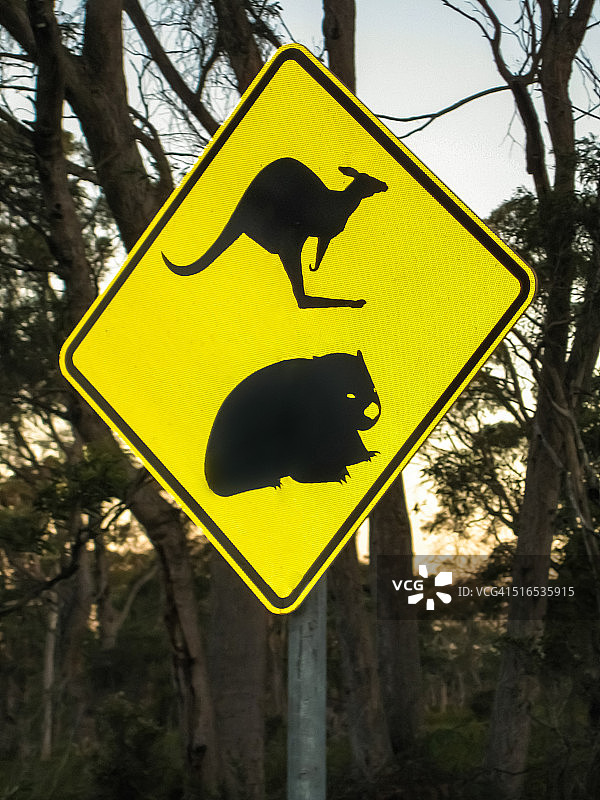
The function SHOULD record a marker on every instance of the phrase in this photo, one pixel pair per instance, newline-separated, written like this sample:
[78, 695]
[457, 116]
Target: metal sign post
[307, 680]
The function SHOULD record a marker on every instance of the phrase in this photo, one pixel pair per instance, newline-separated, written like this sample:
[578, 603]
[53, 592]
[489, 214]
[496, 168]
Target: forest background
[135, 663]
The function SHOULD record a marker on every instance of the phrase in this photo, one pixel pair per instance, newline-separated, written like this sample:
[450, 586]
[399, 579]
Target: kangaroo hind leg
[292, 263]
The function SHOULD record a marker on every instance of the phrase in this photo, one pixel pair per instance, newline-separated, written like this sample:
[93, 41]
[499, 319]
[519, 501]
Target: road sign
[292, 325]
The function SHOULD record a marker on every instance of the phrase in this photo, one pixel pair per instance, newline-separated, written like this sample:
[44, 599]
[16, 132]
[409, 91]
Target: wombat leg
[323, 474]
[227, 488]
[345, 476]
[267, 483]
[371, 453]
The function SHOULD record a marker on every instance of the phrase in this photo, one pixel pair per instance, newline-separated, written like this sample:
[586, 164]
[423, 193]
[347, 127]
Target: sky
[419, 57]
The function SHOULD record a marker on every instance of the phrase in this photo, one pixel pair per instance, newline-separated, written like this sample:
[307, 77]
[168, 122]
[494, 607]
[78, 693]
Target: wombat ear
[360, 355]
[349, 171]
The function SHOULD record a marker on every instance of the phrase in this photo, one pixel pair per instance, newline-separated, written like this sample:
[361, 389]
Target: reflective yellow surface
[159, 353]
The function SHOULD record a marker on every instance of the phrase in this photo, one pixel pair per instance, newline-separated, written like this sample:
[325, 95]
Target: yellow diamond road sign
[293, 324]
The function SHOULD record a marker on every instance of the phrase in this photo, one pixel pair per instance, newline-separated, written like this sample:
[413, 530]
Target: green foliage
[29, 340]
[476, 474]
[455, 740]
[139, 664]
[517, 221]
[136, 758]
[22, 531]
[96, 477]
[63, 777]
[134, 746]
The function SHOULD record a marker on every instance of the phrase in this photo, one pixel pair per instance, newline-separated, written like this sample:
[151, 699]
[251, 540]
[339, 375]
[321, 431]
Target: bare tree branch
[133, 593]
[13, 17]
[237, 41]
[191, 100]
[152, 144]
[78, 170]
[436, 114]
[41, 586]
[517, 83]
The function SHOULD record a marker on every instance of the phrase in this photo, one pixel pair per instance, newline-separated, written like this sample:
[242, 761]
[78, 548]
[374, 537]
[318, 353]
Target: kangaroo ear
[349, 171]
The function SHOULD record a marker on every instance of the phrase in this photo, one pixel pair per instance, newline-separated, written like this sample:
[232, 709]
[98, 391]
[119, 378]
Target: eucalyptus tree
[558, 347]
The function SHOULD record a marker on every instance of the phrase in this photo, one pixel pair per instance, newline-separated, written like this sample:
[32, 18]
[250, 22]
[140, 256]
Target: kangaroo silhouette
[298, 418]
[284, 205]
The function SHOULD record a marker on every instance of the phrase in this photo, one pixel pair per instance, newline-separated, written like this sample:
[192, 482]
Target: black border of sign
[429, 184]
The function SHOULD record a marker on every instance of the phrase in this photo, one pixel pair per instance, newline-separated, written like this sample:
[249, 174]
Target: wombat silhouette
[283, 206]
[298, 418]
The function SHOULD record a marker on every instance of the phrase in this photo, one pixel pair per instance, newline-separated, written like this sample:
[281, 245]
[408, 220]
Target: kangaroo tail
[225, 238]
[186, 269]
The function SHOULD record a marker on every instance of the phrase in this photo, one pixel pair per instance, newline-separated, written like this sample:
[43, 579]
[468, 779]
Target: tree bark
[76, 596]
[237, 40]
[238, 658]
[397, 639]
[339, 18]
[276, 697]
[516, 690]
[367, 727]
[167, 531]
[110, 619]
[48, 677]
[97, 91]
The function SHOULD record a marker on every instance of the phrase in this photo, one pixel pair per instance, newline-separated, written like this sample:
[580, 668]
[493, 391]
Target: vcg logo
[418, 587]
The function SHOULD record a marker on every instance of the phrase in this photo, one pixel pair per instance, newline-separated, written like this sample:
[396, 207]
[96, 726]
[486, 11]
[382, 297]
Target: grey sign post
[307, 682]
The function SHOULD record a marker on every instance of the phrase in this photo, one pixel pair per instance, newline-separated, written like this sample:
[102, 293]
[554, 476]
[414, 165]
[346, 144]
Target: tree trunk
[237, 658]
[97, 91]
[166, 530]
[48, 677]
[397, 639]
[367, 728]
[339, 18]
[368, 732]
[110, 619]
[76, 596]
[276, 697]
[235, 33]
[516, 690]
